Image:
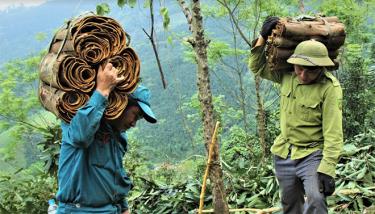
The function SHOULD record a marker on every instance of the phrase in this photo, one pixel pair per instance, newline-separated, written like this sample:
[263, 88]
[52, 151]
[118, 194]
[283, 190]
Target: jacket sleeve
[259, 66]
[124, 202]
[83, 126]
[332, 130]
[124, 205]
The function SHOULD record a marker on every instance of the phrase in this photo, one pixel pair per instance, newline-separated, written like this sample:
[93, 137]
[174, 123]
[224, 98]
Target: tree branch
[190, 40]
[151, 37]
[186, 11]
[225, 4]
[20, 121]
[256, 16]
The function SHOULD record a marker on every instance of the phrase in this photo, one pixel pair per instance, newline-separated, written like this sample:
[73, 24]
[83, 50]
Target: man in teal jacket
[91, 175]
[311, 139]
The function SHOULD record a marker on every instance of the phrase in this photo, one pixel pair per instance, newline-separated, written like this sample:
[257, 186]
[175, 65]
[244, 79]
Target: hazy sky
[21, 21]
[8, 4]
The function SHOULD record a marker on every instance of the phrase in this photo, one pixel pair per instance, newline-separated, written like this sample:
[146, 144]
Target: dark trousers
[299, 178]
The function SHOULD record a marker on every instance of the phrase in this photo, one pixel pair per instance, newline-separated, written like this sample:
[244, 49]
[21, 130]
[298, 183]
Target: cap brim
[314, 61]
[148, 114]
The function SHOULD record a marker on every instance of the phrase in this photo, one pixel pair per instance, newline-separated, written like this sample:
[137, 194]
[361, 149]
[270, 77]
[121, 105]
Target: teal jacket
[91, 174]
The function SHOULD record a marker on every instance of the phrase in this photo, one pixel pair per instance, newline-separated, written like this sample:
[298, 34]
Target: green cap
[310, 53]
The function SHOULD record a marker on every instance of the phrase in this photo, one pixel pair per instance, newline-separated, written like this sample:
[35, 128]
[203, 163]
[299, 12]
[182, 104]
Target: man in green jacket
[311, 139]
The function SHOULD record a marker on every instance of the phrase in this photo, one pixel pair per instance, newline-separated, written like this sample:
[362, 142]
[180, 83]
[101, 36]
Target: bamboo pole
[213, 141]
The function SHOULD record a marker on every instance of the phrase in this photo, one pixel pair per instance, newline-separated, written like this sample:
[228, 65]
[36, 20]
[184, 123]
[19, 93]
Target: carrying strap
[55, 57]
[303, 57]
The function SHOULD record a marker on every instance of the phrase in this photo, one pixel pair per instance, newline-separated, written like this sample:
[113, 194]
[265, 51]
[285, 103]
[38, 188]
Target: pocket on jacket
[310, 111]
[99, 153]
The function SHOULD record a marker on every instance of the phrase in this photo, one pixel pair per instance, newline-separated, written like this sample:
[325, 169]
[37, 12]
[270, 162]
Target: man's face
[128, 118]
[307, 74]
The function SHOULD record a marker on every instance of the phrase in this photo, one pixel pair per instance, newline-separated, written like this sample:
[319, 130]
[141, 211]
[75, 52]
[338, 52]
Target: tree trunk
[200, 44]
[261, 120]
[243, 101]
[301, 6]
[205, 98]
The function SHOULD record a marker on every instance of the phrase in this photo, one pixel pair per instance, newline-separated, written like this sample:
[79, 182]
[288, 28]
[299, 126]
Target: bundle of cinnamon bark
[289, 32]
[68, 71]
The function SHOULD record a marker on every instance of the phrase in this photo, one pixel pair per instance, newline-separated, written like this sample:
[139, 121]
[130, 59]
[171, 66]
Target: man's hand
[126, 212]
[268, 25]
[107, 79]
[326, 184]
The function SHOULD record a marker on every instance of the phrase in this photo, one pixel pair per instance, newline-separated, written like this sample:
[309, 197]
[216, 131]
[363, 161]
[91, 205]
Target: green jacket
[310, 115]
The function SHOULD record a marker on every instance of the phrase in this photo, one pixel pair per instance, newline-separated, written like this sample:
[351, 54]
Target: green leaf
[350, 149]
[18, 196]
[242, 198]
[165, 14]
[121, 3]
[170, 40]
[102, 9]
[132, 3]
[19, 170]
[146, 4]
[241, 163]
[362, 173]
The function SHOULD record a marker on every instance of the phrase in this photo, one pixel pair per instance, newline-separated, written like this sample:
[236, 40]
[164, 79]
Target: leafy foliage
[25, 124]
[18, 87]
[50, 143]
[272, 126]
[177, 198]
[356, 78]
[253, 185]
[26, 191]
[176, 188]
[240, 148]
[355, 172]
[17, 91]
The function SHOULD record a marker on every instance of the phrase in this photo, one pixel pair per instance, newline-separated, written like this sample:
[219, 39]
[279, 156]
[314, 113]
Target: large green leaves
[26, 191]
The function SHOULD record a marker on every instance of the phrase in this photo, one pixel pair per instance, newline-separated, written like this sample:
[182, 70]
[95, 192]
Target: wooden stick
[258, 211]
[213, 141]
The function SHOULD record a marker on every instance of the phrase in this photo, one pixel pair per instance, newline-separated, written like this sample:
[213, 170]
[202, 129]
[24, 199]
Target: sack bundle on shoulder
[68, 71]
[289, 32]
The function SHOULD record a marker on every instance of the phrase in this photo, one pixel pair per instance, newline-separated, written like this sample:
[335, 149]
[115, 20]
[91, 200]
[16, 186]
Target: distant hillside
[169, 138]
